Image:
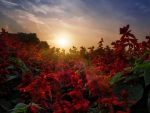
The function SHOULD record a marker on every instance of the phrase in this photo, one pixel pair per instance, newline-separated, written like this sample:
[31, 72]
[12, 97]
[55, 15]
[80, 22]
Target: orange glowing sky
[75, 22]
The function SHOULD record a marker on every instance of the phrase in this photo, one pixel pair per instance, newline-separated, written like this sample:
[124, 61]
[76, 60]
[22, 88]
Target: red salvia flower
[61, 106]
[113, 100]
[131, 102]
[33, 109]
[122, 103]
[124, 29]
[27, 79]
[127, 111]
[124, 94]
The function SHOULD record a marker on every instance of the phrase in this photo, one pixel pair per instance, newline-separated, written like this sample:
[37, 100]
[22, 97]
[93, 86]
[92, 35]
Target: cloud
[33, 18]
[143, 8]
[10, 25]
[52, 9]
[8, 3]
[36, 8]
[147, 10]
[20, 14]
[37, 1]
[29, 16]
[136, 4]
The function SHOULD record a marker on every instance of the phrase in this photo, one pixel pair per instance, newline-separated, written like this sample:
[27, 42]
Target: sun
[62, 41]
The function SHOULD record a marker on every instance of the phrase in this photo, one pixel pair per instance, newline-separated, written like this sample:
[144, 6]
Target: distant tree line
[30, 38]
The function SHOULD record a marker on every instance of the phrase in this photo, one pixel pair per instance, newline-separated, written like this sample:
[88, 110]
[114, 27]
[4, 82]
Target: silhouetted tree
[28, 38]
[43, 45]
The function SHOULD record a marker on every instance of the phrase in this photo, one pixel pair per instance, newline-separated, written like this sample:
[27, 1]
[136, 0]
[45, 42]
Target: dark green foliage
[29, 38]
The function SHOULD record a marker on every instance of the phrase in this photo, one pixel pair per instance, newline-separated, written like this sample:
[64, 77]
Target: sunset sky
[78, 22]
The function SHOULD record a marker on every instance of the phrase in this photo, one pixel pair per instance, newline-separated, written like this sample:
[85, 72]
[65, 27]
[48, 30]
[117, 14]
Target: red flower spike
[78, 106]
[111, 110]
[124, 94]
[58, 111]
[76, 94]
[33, 93]
[131, 102]
[33, 109]
[74, 79]
[127, 110]
[124, 29]
[147, 37]
[44, 104]
[28, 79]
[114, 102]
[106, 100]
[121, 112]
[43, 75]
[62, 106]
[122, 104]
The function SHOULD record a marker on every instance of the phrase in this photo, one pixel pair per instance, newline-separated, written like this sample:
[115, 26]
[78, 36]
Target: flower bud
[124, 94]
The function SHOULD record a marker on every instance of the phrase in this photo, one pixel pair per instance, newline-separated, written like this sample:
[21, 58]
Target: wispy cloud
[8, 3]
[36, 8]
[19, 14]
[33, 18]
[143, 8]
[52, 9]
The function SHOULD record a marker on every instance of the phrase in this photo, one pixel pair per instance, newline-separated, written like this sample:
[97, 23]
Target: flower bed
[35, 79]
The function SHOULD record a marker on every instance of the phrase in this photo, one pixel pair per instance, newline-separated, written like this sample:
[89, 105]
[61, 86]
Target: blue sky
[84, 22]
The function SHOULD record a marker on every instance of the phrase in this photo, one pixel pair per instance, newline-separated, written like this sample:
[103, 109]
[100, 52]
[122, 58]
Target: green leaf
[143, 65]
[1, 59]
[37, 106]
[15, 72]
[138, 61]
[37, 71]
[25, 69]
[128, 68]
[140, 75]
[19, 105]
[10, 67]
[22, 66]
[19, 111]
[134, 91]
[115, 78]
[121, 79]
[147, 61]
[145, 55]
[19, 62]
[148, 103]
[10, 77]
[5, 105]
[94, 110]
[103, 111]
[11, 59]
[20, 108]
[129, 77]
[147, 76]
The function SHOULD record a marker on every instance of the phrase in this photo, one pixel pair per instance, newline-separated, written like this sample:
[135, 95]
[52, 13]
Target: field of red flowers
[35, 78]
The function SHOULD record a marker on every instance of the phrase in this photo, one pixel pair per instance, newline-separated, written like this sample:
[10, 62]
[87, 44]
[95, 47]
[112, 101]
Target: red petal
[128, 110]
[131, 102]
[106, 100]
